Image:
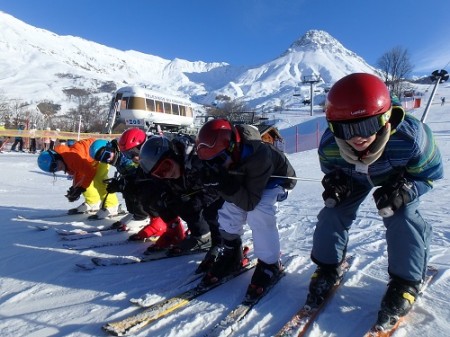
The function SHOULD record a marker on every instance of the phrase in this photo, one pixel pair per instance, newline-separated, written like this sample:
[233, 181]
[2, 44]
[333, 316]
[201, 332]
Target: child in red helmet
[372, 143]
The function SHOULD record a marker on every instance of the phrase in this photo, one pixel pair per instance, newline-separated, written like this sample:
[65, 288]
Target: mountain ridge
[39, 65]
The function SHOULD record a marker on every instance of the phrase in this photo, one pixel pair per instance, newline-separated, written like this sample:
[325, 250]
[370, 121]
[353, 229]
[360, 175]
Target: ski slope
[44, 293]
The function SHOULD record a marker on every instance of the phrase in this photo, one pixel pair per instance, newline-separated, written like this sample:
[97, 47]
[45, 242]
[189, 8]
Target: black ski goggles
[131, 153]
[364, 127]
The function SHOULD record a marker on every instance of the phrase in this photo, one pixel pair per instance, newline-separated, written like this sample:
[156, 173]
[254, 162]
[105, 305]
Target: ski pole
[275, 176]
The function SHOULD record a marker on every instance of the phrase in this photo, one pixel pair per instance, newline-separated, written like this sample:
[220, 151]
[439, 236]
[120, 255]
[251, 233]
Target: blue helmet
[96, 146]
[47, 161]
[70, 142]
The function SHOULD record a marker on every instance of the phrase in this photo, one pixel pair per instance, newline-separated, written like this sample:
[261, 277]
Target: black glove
[337, 188]
[220, 179]
[115, 185]
[390, 198]
[73, 193]
[167, 200]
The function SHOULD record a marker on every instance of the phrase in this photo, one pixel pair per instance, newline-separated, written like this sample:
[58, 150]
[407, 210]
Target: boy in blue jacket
[372, 143]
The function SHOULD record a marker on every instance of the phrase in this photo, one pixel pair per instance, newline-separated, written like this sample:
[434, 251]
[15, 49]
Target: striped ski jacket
[411, 152]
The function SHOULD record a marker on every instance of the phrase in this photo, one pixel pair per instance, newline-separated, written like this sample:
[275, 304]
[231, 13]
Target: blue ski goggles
[105, 155]
[364, 127]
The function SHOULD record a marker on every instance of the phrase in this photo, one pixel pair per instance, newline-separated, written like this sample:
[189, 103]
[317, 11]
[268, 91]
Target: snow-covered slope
[43, 293]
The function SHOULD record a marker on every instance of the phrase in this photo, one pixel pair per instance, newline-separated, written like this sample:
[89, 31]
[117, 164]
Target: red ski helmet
[215, 137]
[131, 138]
[358, 105]
[356, 96]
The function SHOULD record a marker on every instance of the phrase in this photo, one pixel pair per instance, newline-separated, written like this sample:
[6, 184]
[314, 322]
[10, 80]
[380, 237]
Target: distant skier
[88, 177]
[370, 143]
[442, 101]
[18, 140]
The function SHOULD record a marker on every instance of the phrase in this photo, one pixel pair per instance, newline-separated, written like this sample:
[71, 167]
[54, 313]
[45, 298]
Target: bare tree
[225, 107]
[395, 66]
[4, 109]
[48, 109]
[93, 113]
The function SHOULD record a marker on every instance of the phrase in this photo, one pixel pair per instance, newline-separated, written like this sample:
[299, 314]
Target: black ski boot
[397, 302]
[263, 277]
[230, 259]
[322, 281]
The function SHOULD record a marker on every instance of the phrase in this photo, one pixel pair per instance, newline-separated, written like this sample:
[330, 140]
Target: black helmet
[153, 151]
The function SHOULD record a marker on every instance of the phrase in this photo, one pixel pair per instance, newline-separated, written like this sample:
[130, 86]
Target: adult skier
[372, 143]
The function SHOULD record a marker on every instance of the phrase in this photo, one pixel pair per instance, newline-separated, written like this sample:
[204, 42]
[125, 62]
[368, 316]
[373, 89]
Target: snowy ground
[44, 293]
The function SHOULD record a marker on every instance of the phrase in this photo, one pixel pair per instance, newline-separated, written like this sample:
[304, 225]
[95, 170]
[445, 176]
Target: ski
[143, 300]
[80, 231]
[85, 246]
[163, 308]
[124, 260]
[300, 322]
[380, 330]
[146, 300]
[47, 216]
[86, 235]
[230, 324]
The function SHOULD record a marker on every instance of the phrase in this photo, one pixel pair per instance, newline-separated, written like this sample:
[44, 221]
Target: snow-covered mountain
[36, 64]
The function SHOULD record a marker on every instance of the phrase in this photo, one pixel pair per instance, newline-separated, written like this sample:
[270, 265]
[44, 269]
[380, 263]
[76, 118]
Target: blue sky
[248, 32]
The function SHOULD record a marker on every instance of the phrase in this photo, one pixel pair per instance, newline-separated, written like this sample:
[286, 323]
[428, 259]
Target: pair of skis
[163, 308]
[226, 327]
[298, 325]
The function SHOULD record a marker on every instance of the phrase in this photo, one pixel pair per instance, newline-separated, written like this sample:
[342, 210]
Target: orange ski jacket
[79, 163]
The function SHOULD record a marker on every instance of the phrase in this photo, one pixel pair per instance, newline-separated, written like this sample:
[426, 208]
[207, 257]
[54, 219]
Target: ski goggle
[105, 155]
[53, 162]
[364, 127]
[131, 153]
[163, 168]
[219, 160]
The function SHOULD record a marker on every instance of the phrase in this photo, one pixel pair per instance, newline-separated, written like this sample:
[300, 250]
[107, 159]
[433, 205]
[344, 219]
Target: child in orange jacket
[88, 177]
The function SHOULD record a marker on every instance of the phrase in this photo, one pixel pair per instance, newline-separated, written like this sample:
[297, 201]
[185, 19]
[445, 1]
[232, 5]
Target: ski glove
[219, 178]
[73, 193]
[168, 200]
[337, 188]
[115, 185]
[390, 198]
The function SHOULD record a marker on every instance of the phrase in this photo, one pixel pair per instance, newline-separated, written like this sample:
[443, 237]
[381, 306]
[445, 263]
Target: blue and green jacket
[411, 152]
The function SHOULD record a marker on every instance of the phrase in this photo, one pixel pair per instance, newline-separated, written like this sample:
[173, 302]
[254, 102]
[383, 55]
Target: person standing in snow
[18, 140]
[32, 133]
[371, 142]
[88, 177]
[240, 166]
[174, 163]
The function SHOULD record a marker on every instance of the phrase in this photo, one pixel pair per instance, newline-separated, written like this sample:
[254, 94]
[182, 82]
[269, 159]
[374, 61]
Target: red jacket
[78, 162]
